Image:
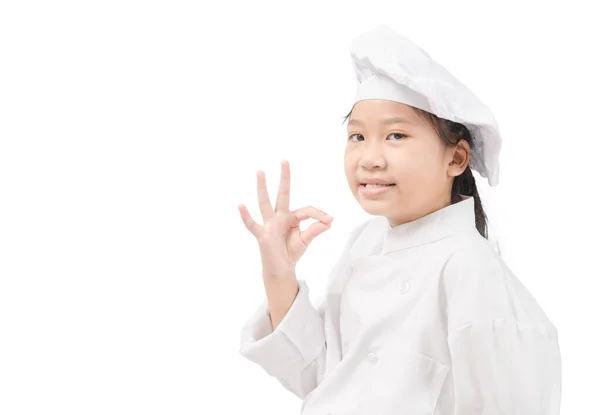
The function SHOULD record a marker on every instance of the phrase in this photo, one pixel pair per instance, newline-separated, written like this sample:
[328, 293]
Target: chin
[375, 207]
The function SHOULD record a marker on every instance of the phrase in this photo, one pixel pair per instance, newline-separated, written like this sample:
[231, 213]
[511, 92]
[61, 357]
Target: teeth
[376, 185]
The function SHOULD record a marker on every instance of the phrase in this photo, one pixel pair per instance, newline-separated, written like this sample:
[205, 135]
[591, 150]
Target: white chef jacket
[421, 318]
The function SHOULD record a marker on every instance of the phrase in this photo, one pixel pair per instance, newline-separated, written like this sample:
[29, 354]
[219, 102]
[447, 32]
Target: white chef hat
[390, 66]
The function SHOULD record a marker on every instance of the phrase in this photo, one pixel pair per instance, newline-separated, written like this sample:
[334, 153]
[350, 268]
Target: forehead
[378, 111]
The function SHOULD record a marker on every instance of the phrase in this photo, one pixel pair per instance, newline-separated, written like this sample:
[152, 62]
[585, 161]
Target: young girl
[420, 316]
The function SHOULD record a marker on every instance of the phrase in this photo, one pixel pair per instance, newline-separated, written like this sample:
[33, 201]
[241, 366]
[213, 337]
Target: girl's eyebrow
[388, 121]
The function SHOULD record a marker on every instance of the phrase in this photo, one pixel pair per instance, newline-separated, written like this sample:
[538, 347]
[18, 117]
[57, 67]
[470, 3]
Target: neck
[437, 205]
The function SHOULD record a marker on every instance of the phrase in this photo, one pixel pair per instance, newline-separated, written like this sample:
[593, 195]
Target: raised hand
[280, 240]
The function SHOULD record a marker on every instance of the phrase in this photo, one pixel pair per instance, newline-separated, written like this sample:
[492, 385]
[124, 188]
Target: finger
[264, 203]
[283, 197]
[250, 224]
[309, 212]
[313, 231]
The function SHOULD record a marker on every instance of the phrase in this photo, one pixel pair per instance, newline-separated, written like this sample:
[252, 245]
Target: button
[372, 357]
[405, 287]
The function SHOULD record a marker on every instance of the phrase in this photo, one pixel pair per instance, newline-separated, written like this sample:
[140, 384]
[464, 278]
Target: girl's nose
[372, 157]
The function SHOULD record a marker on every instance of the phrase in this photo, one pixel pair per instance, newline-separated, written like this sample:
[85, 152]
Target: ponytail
[465, 185]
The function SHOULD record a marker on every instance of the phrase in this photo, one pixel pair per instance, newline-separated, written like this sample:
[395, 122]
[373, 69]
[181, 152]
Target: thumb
[313, 231]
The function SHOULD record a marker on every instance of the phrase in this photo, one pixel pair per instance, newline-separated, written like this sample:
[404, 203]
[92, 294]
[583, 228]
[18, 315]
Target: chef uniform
[424, 317]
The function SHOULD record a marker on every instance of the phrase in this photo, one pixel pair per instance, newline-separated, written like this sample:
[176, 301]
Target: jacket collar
[437, 225]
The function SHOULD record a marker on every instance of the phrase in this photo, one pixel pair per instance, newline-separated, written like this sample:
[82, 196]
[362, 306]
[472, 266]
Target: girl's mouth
[375, 185]
[374, 189]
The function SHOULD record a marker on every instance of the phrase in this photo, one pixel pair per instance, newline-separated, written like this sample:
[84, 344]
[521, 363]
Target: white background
[130, 131]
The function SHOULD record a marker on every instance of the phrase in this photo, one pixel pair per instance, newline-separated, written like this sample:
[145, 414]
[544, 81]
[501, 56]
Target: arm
[293, 350]
[503, 367]
[280, 297]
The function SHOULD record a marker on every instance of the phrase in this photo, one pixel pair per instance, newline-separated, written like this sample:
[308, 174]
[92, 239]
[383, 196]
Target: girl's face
[388, 141]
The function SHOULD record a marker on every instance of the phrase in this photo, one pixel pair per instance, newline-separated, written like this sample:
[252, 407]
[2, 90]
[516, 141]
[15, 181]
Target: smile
[374, 189]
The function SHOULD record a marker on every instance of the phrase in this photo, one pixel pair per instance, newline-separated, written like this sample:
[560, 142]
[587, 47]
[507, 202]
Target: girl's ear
[461, 154]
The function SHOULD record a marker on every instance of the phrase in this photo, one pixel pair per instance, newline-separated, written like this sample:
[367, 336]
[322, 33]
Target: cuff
[296, 341]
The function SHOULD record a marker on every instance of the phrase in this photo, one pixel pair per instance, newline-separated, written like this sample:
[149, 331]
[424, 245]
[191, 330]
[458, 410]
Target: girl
[420, 315]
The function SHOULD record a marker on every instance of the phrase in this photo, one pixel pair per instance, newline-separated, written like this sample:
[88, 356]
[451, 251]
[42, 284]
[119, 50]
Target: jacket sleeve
[295, 352]
[503, 367]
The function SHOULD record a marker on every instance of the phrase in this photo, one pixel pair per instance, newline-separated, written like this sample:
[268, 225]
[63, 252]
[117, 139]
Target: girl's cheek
[350, 163]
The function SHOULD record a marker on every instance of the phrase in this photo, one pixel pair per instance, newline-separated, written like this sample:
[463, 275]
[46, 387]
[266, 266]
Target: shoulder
[356, 233]
[367, 238]
[351, 237]
[482, 288]
[473, 257]
[357, 230]
[364, 231]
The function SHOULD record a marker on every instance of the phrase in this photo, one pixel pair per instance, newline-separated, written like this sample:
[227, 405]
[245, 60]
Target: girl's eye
[396, 134]
[360, 135]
